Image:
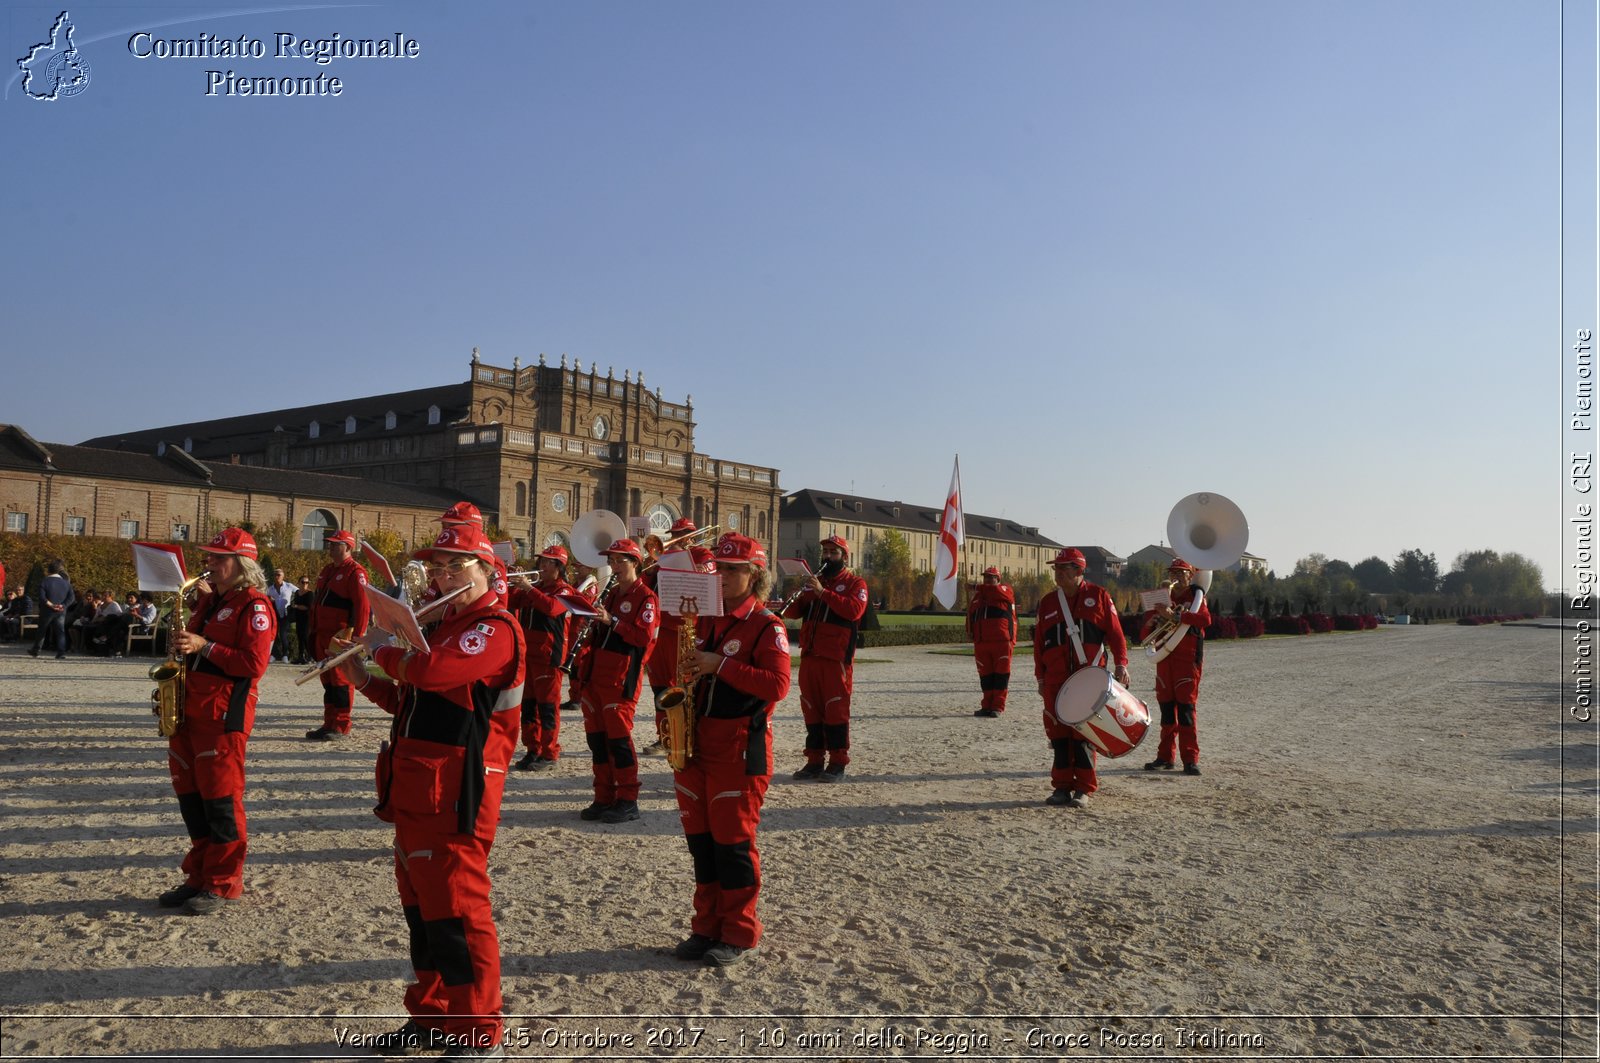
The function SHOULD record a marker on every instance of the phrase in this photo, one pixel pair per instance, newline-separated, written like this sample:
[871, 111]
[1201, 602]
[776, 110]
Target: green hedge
[94, 562]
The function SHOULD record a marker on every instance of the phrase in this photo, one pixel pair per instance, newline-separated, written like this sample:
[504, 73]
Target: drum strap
[1072, 627]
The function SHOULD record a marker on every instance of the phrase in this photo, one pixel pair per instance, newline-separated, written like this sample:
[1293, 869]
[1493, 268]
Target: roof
[812, 504]
[250, 433]
[18, 450]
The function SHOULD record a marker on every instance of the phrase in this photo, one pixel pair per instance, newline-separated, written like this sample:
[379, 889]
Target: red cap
[1180, 565]
[340, 537]
[991, 571]
[627, 548]
[460, 539]
[462, 513]
[555, 553]
[834, 540]
[741, 549]
[232, 541]
[1070, 555]
[682, 526]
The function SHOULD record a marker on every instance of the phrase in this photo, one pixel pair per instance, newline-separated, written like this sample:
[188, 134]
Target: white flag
[952, 533]
[159, 565]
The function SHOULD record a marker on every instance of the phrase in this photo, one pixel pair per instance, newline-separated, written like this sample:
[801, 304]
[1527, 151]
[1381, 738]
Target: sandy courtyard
[1392, 851]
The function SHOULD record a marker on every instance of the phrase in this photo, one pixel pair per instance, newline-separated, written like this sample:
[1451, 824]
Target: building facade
[808, 516]
[535, 447]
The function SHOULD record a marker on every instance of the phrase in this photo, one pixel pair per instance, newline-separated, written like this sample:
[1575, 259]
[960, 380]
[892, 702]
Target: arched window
[433, 415]
[699, 513]
[315, 528]
[313, 430]
[556, 538]
[522, 500]
[762, 520]
[661, 517]
[188, 444]
[349, 426]
[389, 419]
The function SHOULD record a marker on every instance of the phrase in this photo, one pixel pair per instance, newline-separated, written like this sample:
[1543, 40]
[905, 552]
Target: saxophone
[677, 701]
[166, 700]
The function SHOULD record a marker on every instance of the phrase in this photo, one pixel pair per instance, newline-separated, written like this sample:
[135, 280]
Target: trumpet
[687, 538]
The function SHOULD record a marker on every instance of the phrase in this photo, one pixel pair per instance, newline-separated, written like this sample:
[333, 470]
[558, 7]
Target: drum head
[1082, 695]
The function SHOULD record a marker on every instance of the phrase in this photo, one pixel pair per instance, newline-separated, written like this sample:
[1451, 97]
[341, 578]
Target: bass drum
[1103, 712]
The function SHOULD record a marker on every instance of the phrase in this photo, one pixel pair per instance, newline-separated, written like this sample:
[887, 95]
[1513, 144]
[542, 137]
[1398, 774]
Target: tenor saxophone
[166, 700]
[677, 701]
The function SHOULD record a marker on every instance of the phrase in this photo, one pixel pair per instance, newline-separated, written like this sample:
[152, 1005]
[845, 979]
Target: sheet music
[703, 587]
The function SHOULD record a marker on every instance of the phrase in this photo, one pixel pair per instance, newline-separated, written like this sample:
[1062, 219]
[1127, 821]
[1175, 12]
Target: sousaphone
[1209, 532]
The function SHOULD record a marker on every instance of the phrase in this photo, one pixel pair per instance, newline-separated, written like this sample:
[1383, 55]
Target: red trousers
[1072, 766]
[443, 879]
[825, 704]
[337, 697]
[608, 726]
[1178, 693]
[541, 714]
[994, 672]
[207, 767]
[720, 805]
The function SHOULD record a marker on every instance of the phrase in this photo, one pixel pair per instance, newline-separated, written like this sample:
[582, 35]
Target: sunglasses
[453, 568]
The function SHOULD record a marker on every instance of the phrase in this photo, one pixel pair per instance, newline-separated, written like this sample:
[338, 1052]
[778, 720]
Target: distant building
[534, 447]
[1103, 564]
[808, 516]
[56, 489]
[1163, 556]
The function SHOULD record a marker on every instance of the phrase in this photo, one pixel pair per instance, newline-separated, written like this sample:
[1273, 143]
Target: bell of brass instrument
[1210, 532]
[166, 700]
[677, 701]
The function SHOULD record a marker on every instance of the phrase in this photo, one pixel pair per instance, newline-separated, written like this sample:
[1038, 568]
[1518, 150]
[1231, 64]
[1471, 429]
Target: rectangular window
[180, 532]
[17, 522]
[76, 525]
[128, 529]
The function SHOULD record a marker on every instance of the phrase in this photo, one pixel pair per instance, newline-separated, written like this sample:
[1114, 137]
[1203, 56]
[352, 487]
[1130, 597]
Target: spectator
[300, 613]
[18, 605]
[282, 593]
[55, 597]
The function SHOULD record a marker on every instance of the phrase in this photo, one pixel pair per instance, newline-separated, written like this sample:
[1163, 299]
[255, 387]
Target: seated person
[18, 605]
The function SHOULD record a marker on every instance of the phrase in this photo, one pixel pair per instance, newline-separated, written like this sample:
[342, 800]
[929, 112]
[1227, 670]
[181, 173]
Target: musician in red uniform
[340, 606]
[741, 672]
[992, 627]
[227, 646]
[1085, 634]
[441, 777]
[830, 610]
[1178, 673]
[624, 631]
[546, 619]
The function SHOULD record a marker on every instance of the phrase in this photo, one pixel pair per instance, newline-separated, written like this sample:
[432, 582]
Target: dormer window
[433, 415]
[349, 426]
[313, 430]
[389, 420]
[161, 448]
[188, 444]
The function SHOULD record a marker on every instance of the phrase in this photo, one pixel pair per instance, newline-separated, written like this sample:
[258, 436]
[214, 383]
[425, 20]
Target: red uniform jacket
[1054, 659]
[617, 651]
[992, 614]
[340, 602]
[1192, 646]
[755, 671]
[221, 681]
[829, 620]
[546, 619]
[455, 720]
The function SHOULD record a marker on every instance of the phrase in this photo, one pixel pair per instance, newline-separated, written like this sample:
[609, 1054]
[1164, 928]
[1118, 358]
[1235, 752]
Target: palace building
[535, 447]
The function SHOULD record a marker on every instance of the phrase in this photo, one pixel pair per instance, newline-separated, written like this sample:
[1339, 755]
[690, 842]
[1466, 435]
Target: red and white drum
[1102, 710]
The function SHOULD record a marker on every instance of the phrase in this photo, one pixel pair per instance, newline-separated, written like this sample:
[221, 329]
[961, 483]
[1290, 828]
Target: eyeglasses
[454, 568]
[725, 567]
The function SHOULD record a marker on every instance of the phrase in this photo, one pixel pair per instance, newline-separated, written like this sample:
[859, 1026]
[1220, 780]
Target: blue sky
[1306, 256]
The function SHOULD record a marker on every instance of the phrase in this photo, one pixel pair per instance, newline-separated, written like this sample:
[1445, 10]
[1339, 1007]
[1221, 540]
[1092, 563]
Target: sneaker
[543, 764]
[320, 734]
[833, 773]
[693, 947]
[61, 656]
[1059, 797]
[987, 713]
[470, 1051]
[33, 651]
[621, 812]
[175, 897]
[1159, 765]
[594, 811]
[810, 771]
[653, 749]
[723, 954]
[1077, 799]
[205, 902]
[1191, 769]
[527, 762]
[408, 1040]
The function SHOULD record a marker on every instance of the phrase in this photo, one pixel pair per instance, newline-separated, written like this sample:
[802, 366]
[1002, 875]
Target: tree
[1374, 575]
[889, 555]
[1310, 565]
[1416, 572]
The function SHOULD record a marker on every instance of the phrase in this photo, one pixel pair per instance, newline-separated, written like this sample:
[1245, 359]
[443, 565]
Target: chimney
[233, 459]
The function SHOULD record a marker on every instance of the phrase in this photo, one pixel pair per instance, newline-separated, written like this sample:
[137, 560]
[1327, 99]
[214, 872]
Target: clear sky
[1303, 255]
